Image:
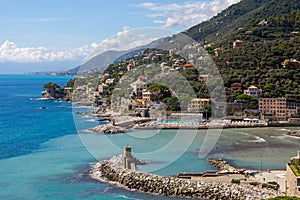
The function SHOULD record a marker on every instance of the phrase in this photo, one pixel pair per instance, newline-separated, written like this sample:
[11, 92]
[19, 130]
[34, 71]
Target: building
[236, 86]
[218, 52]
[238, 44]
[188, 65]
[110, 81]
[293, 176]
[278, 108]
[253, 91]
[130, 67]
[138, 87]
[198, 105]
[204, 77]
[146, 96]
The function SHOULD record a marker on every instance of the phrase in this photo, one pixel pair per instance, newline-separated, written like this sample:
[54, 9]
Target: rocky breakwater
[107, 129]
[112, 171]
[223, 165]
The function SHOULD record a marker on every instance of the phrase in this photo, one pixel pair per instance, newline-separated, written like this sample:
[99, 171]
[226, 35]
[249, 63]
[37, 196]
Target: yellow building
[198, 105]
[293, 176]
[147, 96]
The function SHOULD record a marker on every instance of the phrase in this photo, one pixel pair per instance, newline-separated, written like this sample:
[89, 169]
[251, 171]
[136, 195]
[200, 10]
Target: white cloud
[126, 39]
[186, 14]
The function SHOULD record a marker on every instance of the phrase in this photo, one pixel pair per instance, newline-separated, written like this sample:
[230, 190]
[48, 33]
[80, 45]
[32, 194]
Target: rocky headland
[113, 171]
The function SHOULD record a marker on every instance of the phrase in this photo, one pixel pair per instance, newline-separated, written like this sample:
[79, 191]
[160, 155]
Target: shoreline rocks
[107, 129]
[294, 133]
[111, 171]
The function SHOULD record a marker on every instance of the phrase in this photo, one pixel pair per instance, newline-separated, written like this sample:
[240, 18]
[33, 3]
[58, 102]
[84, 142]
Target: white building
[253, 91]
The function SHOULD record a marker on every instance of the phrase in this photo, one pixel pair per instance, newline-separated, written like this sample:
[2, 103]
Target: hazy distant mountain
[101, 61]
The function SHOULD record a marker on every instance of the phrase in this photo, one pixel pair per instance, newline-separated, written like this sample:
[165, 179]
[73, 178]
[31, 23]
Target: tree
[172, 103]
[244, 97]
[71, 83]
[159, 91]
[51, 86]
[207, 112]
[269, 87]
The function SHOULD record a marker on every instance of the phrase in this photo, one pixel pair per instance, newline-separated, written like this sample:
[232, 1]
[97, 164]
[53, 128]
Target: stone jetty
[113, 171]
[222, 165]
[107, 129]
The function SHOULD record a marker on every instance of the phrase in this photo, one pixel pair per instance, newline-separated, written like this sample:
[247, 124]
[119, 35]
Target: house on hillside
[238, 44]
[236, 86]
[198, 105]
[253, 91]
[138, 87]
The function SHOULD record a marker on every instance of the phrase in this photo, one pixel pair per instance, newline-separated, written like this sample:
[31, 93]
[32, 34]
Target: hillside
[270, 54]
[237, 15]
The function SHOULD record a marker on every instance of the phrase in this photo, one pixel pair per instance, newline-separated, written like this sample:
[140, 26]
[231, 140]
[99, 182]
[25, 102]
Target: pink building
[277, 107]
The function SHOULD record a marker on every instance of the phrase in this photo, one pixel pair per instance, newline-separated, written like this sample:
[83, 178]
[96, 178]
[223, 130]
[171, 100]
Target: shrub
[235, 181]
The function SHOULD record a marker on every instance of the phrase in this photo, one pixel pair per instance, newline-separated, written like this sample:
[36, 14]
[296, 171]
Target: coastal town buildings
[198, 105]
[293, 176]
[253, 91]
[277, 108]
[146, 96]
[138, 87]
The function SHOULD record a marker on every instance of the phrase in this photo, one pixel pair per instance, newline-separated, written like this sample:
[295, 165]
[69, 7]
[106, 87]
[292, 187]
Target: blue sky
[62, 32]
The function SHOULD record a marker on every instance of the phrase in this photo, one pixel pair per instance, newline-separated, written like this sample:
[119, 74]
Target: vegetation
[254, 183]
[52, 86]
[271, 185]
[236, 181]
[172, 103]
[285, 198]
[270, 54]
[159, 92]
[296, 169]
[71, 83]
[268, 59]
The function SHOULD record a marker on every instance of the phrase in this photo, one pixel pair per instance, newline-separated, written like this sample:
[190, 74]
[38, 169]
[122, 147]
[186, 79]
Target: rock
[107, 129]
[295, 133]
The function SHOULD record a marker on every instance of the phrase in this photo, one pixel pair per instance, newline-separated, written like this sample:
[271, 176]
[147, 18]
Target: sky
[55, 35]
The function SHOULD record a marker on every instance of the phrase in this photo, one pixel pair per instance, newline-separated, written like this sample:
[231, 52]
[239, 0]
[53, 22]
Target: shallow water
[42, 156]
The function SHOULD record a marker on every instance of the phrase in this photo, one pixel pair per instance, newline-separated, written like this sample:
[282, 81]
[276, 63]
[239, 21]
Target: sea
[46, 152]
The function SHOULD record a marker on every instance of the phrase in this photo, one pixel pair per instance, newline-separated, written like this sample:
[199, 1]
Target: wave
[283, 129]
[91, 120]
[39, 99]
[256, 140]
[126, 197]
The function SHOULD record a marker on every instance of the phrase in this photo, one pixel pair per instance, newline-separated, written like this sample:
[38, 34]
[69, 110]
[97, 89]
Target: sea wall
[171, 186]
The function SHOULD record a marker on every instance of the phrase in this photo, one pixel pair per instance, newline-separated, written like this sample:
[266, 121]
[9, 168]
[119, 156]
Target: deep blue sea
[45, 153]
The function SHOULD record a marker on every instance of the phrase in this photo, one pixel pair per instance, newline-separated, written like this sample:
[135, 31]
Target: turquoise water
[42, 156]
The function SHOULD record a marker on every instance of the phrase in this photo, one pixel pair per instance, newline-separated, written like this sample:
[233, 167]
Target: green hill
[270, 53]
